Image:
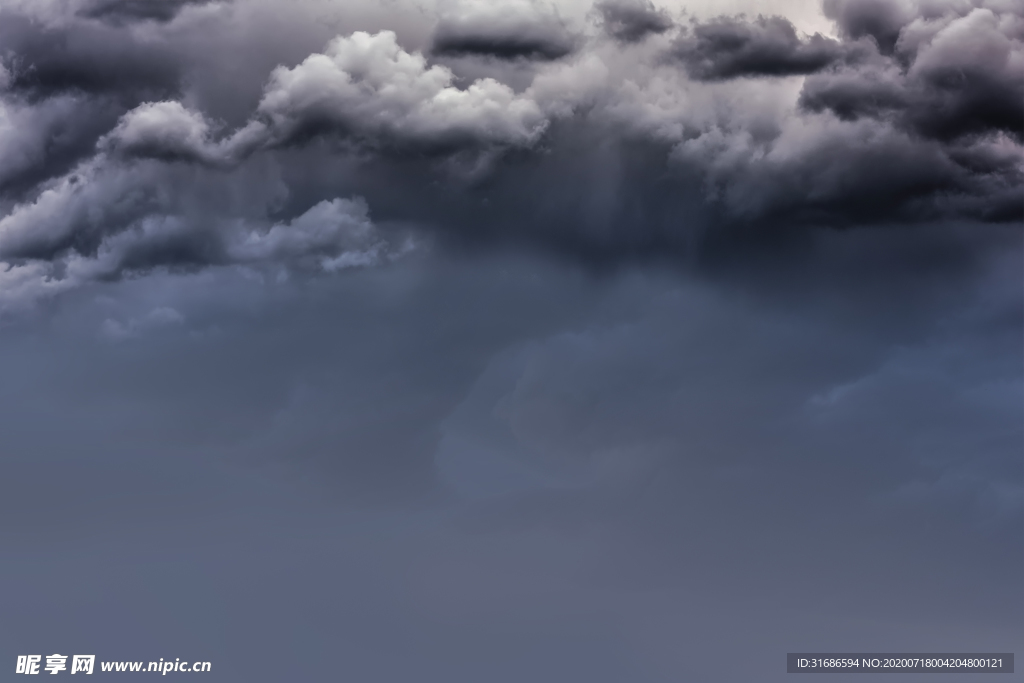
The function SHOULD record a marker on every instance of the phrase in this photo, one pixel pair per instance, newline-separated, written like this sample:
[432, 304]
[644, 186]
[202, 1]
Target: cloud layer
[910, 113]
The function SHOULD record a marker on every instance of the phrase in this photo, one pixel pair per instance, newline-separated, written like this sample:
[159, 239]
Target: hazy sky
[498, 341]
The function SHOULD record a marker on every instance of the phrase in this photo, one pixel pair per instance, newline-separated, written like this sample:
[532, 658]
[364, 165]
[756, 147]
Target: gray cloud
[648, 160]
[368, 87]
[166, 131]
[89, 58]
[766, 46]
[632, 20]
[123, 11]
[882, 20]
[526, 29]
[955, 74]
[364, 89]
[40, 141]
[108, 220]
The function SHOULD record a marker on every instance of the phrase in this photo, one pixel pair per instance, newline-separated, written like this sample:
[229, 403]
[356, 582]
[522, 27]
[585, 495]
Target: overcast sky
[491, 341]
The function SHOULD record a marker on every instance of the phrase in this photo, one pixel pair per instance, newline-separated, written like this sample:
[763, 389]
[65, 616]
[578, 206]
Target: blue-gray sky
[469, 341]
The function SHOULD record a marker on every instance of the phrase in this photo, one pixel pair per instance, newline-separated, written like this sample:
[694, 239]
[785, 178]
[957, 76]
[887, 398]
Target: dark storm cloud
[647, 162]
[459, 40]
[44, 140]
[63, 87]
[766, 46]
[132, 219]
[862, 175]
[123, 11]
[954, 74]
[88, 58]
[632, 20]
[525, 30]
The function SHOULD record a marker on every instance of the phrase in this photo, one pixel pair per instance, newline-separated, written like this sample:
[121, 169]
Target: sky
[497, 341]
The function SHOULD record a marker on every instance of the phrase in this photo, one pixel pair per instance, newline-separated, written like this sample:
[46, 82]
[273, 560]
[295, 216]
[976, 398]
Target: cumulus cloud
[108, 219]
[959, 73]
[76, 211]
[363, 89]
[169, 132]
[821, 172]
[736, 126]
[164, 130]
[367, 87]
[520, 29]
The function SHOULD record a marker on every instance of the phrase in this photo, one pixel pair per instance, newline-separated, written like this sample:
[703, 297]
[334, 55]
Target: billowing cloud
[368, 88]
[107, 220]
[365, 90]
[735, 128]
[163, 130]
[957, 74]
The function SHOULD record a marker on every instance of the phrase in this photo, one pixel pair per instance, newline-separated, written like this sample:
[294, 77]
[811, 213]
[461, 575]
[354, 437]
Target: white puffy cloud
[164, 130]
[363, 88]
[367, 87]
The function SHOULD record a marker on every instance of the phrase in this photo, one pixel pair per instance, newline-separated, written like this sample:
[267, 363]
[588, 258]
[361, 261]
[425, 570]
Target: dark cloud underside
[453, 42]
[122, 11]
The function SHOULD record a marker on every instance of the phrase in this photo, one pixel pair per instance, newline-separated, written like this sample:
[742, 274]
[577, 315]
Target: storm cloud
[923, 129]
[122, 11]
[951, 76]
[490, 341]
